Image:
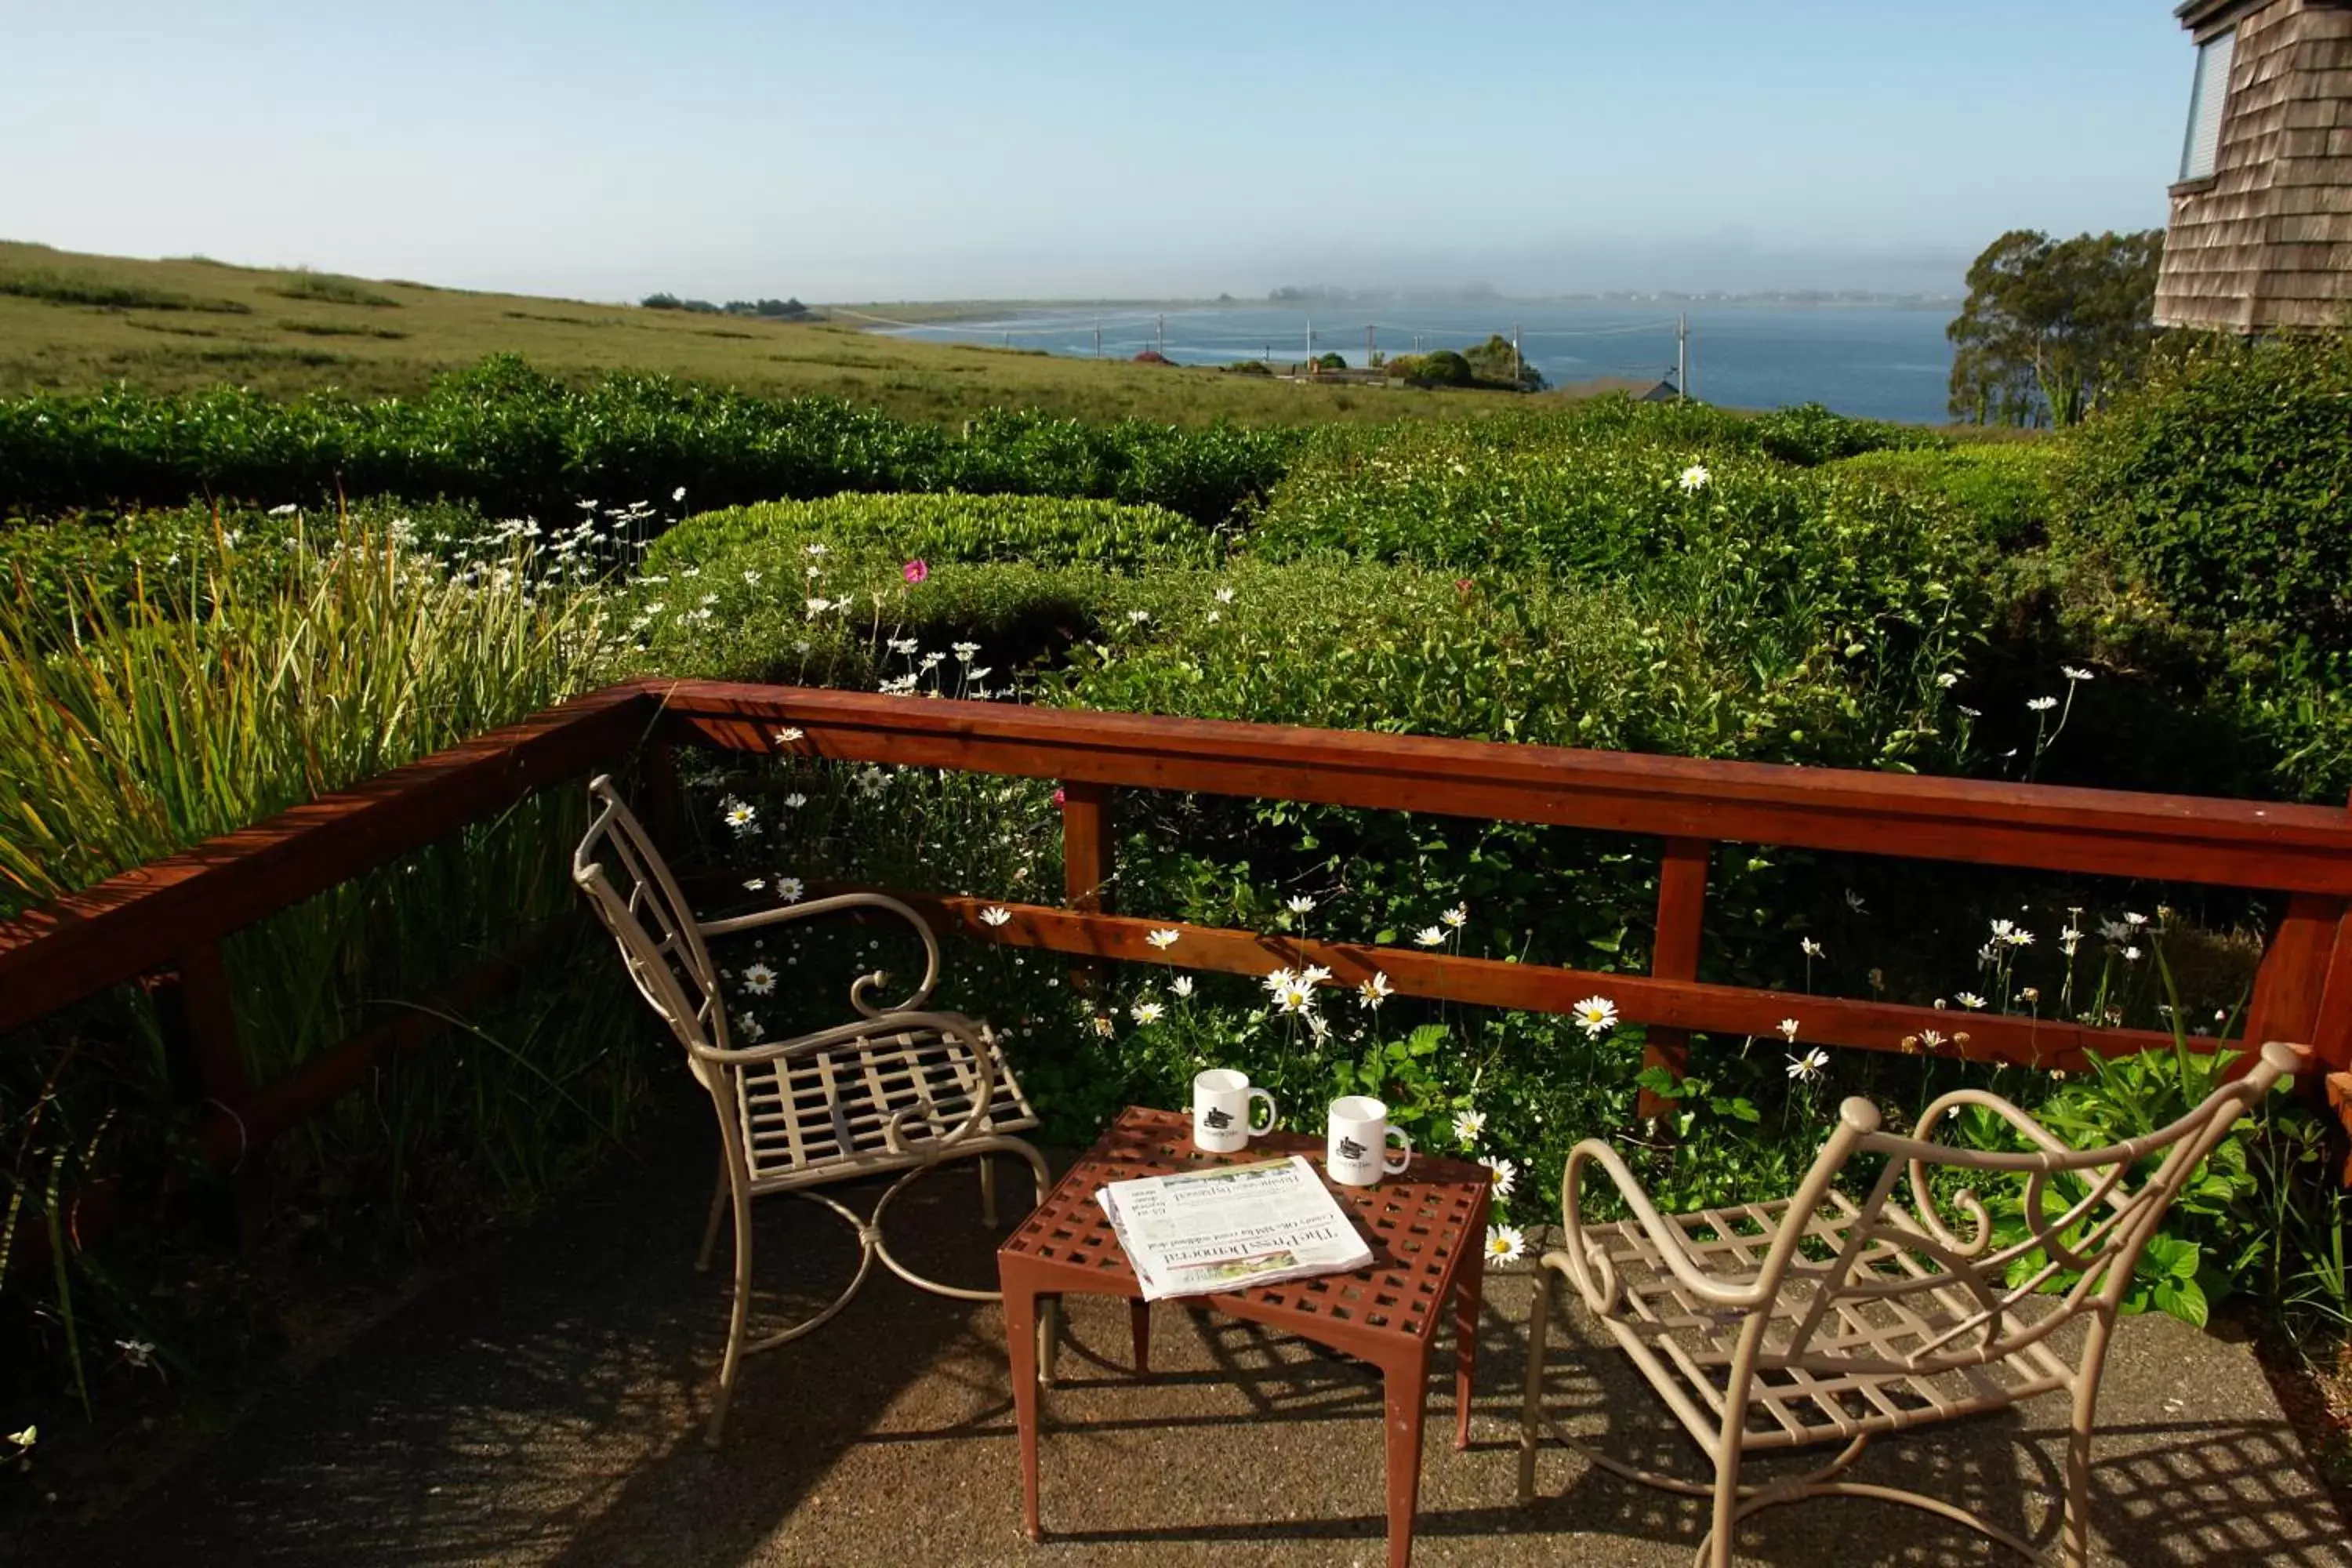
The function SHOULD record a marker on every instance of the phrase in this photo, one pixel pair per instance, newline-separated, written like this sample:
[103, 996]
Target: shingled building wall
[2265, 243]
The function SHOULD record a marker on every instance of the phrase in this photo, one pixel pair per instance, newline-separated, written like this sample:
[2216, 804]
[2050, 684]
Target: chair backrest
[640, 904]
[1918, 1234]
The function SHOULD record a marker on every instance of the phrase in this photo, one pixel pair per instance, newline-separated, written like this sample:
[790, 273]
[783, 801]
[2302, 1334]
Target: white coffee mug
[1357, 1150]
[1221, 1111]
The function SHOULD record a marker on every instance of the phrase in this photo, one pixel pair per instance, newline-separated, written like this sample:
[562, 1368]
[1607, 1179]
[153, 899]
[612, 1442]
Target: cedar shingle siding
[2265, 242]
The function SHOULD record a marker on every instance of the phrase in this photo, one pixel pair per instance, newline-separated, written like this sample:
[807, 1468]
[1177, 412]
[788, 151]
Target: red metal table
[1427, 1231]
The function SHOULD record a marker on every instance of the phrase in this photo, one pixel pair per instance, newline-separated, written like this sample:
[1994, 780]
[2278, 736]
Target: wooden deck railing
[169, 916]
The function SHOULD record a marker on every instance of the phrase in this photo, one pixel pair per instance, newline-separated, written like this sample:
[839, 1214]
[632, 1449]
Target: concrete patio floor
[545, 1409]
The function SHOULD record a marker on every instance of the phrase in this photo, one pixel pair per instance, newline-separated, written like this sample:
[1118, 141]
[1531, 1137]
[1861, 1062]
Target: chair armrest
[1587, 1262]
[837, 902]
[953, 1025]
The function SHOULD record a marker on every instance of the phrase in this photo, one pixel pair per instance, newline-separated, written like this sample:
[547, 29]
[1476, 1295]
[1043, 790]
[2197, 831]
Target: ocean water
[1872, 361]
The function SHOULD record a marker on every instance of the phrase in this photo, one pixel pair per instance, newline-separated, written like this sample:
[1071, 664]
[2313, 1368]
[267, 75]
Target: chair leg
[1531, 1405]
[737, 1319]
[987, 1191]
[2074, 1530]
[1716, 1550]
[718, 1192]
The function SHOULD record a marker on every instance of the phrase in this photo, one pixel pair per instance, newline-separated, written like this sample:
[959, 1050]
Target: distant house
[1153, 356]
[1639, 389]
[2260, 232]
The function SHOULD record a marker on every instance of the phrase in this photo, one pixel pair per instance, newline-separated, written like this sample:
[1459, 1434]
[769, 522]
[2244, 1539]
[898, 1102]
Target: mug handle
[1401, 1159]
[1250, 1120]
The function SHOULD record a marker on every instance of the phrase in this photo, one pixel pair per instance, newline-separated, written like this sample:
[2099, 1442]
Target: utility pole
[1162, 346]
[1518, 366]
[1371, 348]
[1097, 337]
[1310, 347]
[1682, 357]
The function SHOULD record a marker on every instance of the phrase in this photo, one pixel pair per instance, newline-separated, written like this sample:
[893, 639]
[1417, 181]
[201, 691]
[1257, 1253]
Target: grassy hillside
[71, 322]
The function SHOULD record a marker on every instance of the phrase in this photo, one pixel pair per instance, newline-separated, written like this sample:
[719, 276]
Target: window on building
[2207, 100]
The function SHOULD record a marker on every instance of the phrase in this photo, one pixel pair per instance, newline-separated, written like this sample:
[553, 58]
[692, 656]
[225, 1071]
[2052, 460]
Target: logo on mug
[1349, 1149]
[1217, 1118]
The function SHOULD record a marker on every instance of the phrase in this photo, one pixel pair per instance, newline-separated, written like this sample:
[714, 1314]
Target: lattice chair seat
[900, 1089]
[1824, 1319]
[1695, 1344]
[816, 1117]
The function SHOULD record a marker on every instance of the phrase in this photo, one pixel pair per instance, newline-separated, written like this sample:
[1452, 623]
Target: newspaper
[1232, 1227]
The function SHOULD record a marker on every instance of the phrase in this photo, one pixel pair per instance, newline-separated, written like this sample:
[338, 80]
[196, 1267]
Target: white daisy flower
[1505, 1243]
[2071, 673]
[795, 801]
[1809, 947]
[1162, 940]
[995, 915]
[1374, 991]
[788, 889]
[740, 816]
[1300, 904]
[1147, 1012]
[787, 735]
[1429, 936]
[1504, 1175]
[2041, 704]
[1225, 596]
[1789, 1028]
[1181, 985]
[1468, 1125]
[1693, 478]
[1810, 1064]
[1596, 1015]
[759, 980]
[1457, 916]
[1968, 999]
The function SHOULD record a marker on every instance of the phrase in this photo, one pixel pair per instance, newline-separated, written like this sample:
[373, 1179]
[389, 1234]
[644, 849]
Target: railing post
[1087, 855]
[1682, 904]
[198, 1020]
[2303, 993]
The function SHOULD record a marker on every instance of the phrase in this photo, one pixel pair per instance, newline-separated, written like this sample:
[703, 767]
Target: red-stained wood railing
[167, 915]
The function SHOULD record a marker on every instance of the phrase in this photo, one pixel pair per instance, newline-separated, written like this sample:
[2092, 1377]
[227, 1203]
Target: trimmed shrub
[513, 441]
[2220, 483]
[1808, 434]
[2008, 490]
[1036, 530]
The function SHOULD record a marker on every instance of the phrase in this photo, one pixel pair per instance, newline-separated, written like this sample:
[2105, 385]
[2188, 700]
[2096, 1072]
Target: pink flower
[1057, 797]
[1462, 584]
[915, 570]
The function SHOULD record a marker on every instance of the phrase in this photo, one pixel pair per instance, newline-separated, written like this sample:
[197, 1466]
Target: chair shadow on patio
[545, 1408]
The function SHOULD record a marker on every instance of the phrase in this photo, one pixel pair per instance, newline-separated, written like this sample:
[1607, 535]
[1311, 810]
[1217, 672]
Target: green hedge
[1038, 531]
[2222, 482]
[512, 441]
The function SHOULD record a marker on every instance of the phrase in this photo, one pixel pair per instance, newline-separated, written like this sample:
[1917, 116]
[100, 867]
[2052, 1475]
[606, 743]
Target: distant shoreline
[883, 315]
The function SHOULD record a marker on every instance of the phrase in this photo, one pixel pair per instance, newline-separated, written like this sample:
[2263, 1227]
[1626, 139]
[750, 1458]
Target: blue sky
[925, 151]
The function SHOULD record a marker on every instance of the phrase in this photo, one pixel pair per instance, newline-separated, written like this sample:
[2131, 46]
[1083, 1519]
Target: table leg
[1407, 1399]
[1020, 1349]
[1139, 1326]
[1466, 1299]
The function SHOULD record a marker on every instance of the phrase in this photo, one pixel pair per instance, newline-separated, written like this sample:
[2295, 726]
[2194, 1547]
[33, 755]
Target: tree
[2051, 328]
[1496, 361]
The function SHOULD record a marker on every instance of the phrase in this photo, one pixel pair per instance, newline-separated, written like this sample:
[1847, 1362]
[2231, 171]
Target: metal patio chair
[900, 1089]
[1768, 1327]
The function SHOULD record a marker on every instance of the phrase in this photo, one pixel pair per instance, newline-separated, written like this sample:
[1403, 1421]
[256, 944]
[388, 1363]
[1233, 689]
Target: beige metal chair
[900, 1088]
[1775, 1326]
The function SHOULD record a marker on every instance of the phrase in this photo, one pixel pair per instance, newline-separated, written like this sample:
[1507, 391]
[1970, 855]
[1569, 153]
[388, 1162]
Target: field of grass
[74, 322]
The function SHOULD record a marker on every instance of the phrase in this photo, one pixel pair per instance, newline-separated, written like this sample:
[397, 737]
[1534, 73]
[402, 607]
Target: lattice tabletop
[1421, 1226]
